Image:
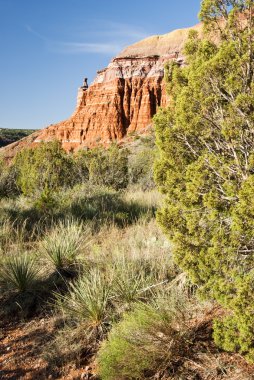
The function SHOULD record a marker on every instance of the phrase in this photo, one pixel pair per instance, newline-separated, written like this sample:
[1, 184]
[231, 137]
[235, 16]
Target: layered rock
[123, 97]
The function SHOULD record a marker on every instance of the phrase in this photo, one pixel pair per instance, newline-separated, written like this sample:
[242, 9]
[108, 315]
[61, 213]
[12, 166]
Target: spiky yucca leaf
[63, 244]
[88, 300]
[19, 273]
[130, 280]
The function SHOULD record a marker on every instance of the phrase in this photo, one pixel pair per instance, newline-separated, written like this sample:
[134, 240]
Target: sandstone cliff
[121, 100]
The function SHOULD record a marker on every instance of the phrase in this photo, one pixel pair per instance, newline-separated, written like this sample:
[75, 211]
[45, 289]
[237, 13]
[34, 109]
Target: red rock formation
[123, 97]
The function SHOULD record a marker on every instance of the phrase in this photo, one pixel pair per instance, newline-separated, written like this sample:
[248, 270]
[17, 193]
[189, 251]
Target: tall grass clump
[63, 244]
[151, 340]
[86, 313]
[132, 281]
[88, 302]
[5, 235]
[19, 273]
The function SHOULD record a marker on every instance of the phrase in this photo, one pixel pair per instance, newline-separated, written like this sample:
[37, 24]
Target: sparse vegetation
[98, 266]
[81, 252]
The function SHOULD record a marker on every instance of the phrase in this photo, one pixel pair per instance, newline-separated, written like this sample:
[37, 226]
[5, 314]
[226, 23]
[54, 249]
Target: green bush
[104, 167]
[206, 164]
[8, 180]
[140, 167]
[149, 341]
[45, 168]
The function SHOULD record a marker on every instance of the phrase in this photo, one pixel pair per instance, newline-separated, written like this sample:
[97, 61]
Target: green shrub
[45, 168]
[19, 273]
[140, 167]
[46, 203]
[104, 167]
[8, 180]
[63, 244]
[149, 341]
[206, 166]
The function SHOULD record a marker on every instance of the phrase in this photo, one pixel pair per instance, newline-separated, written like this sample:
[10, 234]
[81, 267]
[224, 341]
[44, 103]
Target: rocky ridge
[122, 99]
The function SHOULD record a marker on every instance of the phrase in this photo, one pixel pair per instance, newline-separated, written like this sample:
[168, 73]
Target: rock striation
[123, 97]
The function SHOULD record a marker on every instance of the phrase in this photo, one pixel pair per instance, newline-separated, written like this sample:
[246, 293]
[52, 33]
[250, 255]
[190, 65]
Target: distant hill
[8, 136]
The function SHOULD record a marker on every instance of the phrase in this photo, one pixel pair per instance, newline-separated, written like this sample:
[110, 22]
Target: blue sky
[48, 46]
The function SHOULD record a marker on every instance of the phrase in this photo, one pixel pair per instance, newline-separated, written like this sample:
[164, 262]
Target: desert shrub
[104, 167]
[46, 203]
[140, 168]
[82, 160]
[63, 244]
[19, 273]
[148, 341]
[45, 168]
[206, 167]
[8, 180]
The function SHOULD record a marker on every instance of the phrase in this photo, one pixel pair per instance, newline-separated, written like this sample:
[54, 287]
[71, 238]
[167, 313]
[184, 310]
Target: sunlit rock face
[123, 97]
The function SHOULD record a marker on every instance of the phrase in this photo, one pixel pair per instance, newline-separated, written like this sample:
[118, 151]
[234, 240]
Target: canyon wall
[122, 99]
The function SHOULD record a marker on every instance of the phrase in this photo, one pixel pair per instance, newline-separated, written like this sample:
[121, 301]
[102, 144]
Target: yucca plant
[88, 302]
[131, 281]
[63, 244]
[19, 273]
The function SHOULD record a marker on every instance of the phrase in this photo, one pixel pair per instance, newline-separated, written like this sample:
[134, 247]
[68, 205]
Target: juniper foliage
[206, 165]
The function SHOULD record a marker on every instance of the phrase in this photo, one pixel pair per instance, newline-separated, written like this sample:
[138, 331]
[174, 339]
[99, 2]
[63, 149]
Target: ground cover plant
[83, 259]
[86, 279]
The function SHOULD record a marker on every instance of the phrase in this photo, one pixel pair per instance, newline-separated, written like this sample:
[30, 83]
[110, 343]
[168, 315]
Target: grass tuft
[88, 302]
[63, 244]
[19, 273]
[149, 342]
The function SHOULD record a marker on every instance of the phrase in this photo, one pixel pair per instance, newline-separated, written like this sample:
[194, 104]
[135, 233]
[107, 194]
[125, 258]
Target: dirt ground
[21, 345]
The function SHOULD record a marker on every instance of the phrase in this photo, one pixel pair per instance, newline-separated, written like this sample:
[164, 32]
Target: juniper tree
[206, 165]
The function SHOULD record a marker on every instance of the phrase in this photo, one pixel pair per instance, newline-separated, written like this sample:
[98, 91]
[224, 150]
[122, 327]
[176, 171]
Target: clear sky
[48, 46]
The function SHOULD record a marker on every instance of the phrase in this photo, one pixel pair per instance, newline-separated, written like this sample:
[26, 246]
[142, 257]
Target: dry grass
[120, 266]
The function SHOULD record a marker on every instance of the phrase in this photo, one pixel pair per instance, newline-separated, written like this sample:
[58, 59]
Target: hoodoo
[121, 100]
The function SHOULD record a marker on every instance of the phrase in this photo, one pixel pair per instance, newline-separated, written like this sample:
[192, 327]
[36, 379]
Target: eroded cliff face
[123, 97]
